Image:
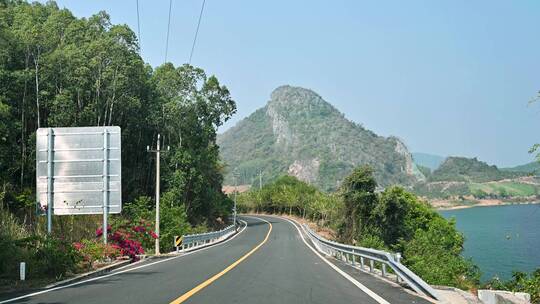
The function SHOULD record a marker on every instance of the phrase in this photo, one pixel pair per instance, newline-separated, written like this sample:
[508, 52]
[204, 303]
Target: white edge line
[362, 287]
[120, 272]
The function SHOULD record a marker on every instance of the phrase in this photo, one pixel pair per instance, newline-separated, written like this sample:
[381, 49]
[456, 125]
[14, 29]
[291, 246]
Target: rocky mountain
[300, 134]
[430, 161]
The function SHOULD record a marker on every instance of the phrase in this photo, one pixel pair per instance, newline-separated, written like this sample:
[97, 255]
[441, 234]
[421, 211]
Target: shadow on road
[259, 223]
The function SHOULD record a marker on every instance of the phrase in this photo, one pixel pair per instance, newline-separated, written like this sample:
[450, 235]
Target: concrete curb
[91, 274]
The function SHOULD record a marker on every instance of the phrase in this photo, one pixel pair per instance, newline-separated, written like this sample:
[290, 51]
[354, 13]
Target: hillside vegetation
[430, 161]
[393, 220]
[300, 134]
[461, 169]
[468, 180]
[57, 70]
[530, 168]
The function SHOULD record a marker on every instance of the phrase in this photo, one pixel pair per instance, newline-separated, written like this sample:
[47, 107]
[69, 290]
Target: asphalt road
[266, 263]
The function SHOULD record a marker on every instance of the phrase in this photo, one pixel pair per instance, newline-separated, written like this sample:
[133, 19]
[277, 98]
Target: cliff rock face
[300, 134]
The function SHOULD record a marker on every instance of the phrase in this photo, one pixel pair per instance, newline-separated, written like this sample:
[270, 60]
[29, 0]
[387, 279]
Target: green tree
[57, 70]
[359, 197]
[397, 220]
[193, 106]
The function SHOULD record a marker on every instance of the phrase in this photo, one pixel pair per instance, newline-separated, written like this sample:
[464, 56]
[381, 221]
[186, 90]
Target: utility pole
[158, 158]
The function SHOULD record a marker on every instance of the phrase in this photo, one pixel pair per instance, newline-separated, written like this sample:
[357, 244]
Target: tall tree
[57, 70]
[358, 191]
[193, 107]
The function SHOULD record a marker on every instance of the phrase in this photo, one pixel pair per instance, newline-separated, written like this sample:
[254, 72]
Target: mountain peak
[290, 101]
[288, 92]
[300, 134]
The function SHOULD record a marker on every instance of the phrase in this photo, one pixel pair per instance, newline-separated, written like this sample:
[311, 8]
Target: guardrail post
[398, 260]
[371, 265]
[383, 269]
[362, 262]
[353, 260]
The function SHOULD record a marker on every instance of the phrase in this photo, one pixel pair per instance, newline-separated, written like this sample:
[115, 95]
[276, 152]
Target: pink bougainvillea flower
[78, 246]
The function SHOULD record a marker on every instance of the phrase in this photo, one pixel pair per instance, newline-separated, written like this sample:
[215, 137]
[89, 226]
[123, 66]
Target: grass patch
[504, 189]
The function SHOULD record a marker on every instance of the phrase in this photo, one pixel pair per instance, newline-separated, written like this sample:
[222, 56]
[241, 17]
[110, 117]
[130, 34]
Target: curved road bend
[267, 263]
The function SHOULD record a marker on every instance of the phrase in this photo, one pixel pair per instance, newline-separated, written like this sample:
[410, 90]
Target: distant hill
[430, 161]
[462, 181]
[530, 168]
[300, 134]
[462, 169]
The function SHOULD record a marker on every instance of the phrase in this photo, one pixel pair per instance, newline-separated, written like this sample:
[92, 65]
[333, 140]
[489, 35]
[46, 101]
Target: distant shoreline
[484, 203]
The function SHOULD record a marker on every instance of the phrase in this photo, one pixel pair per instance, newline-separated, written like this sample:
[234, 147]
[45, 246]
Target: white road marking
[362, 287]
[120, 272]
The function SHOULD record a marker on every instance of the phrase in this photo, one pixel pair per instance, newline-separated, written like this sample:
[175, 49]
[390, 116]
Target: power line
[168, 29]
[196, 32]
[138, 26]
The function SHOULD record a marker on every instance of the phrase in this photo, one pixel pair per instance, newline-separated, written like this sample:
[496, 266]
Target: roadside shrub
[372, 241]
[128, 238]
[94, 250]
[520, 282]
[399, 220]
[55, 257]
[434, 254]
[174, 222]
[140, 208]
[10, 231]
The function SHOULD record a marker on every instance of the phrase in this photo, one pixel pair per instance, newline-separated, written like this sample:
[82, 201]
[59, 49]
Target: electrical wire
[168, 30]
[138, 27]
[196, 31]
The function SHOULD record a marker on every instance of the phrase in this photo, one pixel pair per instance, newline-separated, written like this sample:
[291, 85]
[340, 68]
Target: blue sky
[449, 78]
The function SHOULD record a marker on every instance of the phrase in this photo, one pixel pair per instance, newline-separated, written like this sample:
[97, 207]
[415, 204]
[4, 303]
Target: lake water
[500, 239]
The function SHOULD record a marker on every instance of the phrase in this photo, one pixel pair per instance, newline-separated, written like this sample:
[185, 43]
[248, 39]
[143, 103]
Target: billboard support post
[105, 183]
[157, 194]
[50, 173]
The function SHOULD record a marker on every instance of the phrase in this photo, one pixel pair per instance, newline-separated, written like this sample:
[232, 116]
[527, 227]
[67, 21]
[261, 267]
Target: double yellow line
[201, 286]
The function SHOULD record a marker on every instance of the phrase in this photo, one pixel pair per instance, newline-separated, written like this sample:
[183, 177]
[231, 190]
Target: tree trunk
[113, 96]
[36, 65]
[23, 117]
[98, 91]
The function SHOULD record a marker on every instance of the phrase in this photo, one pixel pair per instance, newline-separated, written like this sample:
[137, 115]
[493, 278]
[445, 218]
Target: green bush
[47, 256]
[138, 219]
[289, 195]
[54, 257]
[434, 253]
[95, 250]
[520, 282]
[173, 222]
[398, 220]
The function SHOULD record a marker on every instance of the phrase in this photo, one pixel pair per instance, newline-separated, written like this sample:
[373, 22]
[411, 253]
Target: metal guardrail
[194, 241]
[357, 256]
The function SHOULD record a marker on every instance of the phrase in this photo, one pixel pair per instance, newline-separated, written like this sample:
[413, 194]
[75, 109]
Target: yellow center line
[190, 293]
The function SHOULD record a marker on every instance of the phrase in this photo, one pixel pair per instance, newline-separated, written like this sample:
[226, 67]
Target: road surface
[268, 262]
